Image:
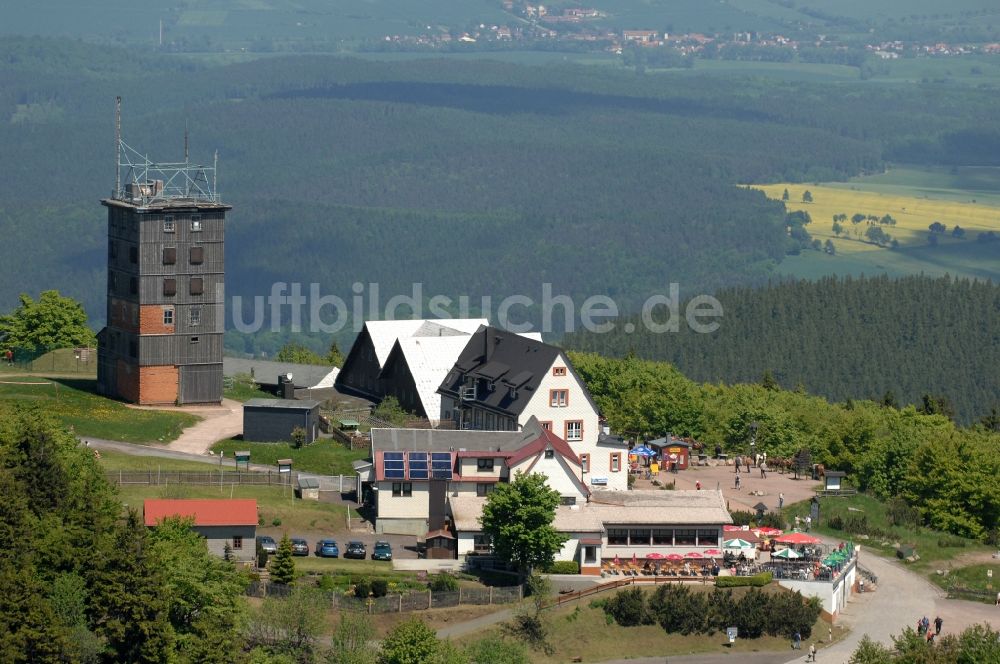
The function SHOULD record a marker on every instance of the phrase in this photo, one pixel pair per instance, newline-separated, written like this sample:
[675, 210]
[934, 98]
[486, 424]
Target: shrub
[327, 583]
[756, 581]
[443, 582]
[564, 567]
[742, 518]
[275, 521]
[380, 587]
[900, 513]
[628, 608]
[362, 588]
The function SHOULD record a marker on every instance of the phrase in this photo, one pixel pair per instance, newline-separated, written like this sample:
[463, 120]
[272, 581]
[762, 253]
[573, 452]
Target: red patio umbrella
[617, 561]
[635, 559]
[693, 554]
[769, 532]
[655, 556]
[674, 556]
[713, 552]
[797, 538]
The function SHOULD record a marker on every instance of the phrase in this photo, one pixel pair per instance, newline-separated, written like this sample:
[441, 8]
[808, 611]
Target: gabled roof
[212, 512]
[514, 363]
[384, 333]
[429, 359]
[545, 440]
[466, 511]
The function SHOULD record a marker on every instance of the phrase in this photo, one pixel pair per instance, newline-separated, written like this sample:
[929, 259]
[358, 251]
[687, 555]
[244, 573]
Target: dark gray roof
[834, 473]
[447, 440]
[284, 404]
[506, 358]
[267, 372]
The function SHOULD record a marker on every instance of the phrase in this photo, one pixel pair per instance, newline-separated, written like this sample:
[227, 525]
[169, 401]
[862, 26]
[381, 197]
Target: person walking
[812, 653]
[809, 521]
[737, 482]
[763, 470]
[736, 461]
[797, 641]
[781, 500]
[937, 625]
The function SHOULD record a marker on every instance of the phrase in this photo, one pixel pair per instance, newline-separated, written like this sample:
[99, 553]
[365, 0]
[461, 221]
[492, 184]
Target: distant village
[579, 28]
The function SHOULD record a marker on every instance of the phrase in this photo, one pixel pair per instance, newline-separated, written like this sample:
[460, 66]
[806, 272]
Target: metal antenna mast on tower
[118, 146]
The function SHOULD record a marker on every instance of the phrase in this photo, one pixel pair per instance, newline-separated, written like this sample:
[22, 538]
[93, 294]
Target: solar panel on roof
[393, 462]
[441, 465]
[417, 465]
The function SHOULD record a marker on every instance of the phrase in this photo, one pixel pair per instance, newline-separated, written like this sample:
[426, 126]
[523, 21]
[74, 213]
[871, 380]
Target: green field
[927, 542]
[908, 198]
[295, 516]
[112, 460]
[74, 403]
[326, 457]
[973, 577]
[580, 629]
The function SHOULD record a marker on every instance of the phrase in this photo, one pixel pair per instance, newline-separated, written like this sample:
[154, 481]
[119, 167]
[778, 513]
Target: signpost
[732, 633]
[285, 470]
[243, 457]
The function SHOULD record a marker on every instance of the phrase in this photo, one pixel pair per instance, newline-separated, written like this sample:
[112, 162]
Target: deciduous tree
[51, 322]
[518, 516]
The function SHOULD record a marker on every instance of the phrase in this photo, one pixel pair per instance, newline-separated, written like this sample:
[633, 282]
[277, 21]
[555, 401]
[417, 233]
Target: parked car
[300, 547]
[266, 543]
[356, 549]
[327, 548]
[382, 551]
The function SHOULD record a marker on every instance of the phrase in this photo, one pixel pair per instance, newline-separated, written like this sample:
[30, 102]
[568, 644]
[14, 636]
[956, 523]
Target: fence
[400, 603]
[258, 478]
[961, 592]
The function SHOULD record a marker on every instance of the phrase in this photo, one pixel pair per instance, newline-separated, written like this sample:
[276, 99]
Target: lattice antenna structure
[143, 182]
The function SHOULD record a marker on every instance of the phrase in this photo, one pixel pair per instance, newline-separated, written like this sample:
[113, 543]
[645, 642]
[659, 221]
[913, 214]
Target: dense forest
[867, 338]
[945, 472]
[471, 177]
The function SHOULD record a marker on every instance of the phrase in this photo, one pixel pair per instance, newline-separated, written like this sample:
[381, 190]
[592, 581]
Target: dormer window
[512, 393]
[550, 454]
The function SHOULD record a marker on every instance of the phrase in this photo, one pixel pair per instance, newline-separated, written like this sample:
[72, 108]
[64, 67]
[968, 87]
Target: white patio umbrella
[737, 544]
[787, 554]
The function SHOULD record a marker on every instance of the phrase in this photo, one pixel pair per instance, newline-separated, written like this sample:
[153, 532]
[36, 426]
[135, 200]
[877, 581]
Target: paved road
[217, 423]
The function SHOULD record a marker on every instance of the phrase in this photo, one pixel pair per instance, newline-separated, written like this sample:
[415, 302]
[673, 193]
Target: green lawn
[973, 577]
[74, 403]
[111, 460]
[294, 516]
[927, 542]
[325, 456]
[579, 629]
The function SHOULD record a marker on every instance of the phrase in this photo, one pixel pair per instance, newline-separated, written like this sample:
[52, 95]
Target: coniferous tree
[283, 566]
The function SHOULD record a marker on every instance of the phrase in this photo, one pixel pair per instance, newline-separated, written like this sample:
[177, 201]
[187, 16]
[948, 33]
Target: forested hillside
[472, 177]
[945, 472]
[843, 338]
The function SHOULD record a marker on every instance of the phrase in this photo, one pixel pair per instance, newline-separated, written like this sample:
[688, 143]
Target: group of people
[924, 628]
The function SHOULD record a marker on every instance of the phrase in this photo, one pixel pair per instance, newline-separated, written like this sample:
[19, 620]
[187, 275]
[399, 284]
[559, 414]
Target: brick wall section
[127, 380]
[151, 320]
[158, 385]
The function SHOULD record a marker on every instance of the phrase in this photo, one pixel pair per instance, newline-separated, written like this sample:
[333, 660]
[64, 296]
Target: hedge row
[756, 581]
[563, 567]
[676, 608]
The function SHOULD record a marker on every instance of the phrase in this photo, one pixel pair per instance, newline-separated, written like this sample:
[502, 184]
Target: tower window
[169, 255]
[194, 316]
[133, 255]
[196, 222]
[133, 286]
[197, 256]
[168, 316]
[168, 224]
[170, 287]
[197, 285]
[195, 340]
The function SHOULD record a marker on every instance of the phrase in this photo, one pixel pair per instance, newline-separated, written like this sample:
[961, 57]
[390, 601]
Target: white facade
[560, 475]
[402, 511]
[563, 417]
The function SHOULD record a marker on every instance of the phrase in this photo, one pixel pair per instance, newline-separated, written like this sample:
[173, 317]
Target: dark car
[327, 548]
[382, 551]
[300, 547]
[356, 549]
[266, 543]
